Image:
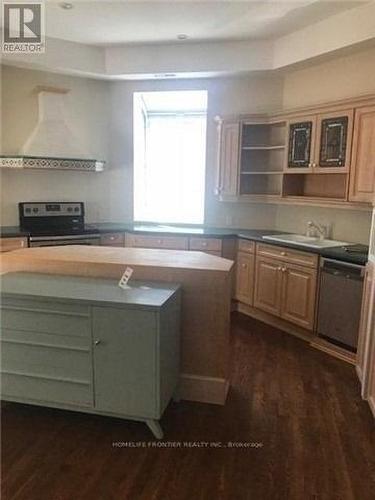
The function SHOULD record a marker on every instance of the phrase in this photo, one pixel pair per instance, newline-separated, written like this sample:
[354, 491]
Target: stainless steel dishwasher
[340, 297]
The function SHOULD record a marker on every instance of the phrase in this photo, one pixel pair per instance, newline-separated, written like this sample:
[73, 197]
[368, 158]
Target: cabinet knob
[244, 266]
[97, 342]
[111, 238]
[159, 241]
[279, 268]
[283, 269]
[204, 244]
[283, 254]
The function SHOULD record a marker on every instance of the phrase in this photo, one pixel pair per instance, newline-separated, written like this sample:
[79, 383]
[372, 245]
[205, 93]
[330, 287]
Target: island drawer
[46, 361]
[45, 317]
[26, 387]
[166, 242]
[246, 246]
[287, 255]
[205, 244]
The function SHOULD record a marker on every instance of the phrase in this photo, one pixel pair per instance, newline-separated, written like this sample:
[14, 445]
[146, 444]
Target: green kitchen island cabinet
[85, 344]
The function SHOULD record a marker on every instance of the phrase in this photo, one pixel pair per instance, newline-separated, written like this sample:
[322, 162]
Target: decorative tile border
[51, 163]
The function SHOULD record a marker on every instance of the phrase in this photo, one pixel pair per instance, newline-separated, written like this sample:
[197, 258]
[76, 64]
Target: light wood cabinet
[321, 143]
[244, 291]
[298, 295]
[112, 239]
[363, 360]
[9, 244]
[362, 176]
[227, 162]
[268, 283]
[207, 245]
[285, 288]
[301, 144]
[151, 241]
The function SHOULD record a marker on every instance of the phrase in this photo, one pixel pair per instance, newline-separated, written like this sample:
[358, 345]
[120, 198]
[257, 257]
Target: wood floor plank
[304, 407]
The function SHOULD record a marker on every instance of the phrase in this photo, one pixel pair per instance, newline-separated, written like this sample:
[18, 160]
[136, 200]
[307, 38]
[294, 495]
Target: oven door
[53, 241]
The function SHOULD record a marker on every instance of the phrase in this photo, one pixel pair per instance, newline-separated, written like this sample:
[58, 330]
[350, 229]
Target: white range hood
[52, 144]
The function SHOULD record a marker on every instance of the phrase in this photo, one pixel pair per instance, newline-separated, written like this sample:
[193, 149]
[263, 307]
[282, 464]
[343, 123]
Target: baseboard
[203, 389]
[279, 323]
[333, 350]
[297, 331]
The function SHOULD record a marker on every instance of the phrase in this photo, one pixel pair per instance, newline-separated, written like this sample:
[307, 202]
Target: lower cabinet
[244, 291]
[113, 239]
[286, 290]
[9, 244]
[298, 295]
[119, 359]
[267, 293]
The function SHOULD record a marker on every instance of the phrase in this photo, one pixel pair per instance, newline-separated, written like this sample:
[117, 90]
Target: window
[169, 156]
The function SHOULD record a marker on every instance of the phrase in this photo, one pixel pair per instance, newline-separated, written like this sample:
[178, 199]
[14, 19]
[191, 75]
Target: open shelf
[319, 186]
[261, 148]
[261, 184]
[262, 160]
[264, 134]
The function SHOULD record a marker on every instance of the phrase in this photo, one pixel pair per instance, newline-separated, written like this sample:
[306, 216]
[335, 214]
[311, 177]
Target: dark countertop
[12, 232]
[207, 232]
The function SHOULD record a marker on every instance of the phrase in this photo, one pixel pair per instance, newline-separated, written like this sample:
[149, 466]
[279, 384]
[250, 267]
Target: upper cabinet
[323, 156]
[320, 143]
[301, 144]
[362, 178]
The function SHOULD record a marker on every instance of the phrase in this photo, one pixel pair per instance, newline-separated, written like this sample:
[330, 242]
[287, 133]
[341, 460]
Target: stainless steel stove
[56, 223]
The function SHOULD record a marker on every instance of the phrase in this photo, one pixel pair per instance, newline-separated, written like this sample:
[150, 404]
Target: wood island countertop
[206, 282]
[147, 257]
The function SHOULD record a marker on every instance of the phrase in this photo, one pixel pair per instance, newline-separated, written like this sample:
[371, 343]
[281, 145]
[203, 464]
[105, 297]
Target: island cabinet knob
[283, 254]
[97, 342]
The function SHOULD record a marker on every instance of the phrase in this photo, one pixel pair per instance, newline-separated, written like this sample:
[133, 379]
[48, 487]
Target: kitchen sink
[307, 241]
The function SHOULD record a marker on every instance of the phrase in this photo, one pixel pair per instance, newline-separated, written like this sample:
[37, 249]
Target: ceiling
[134, 22]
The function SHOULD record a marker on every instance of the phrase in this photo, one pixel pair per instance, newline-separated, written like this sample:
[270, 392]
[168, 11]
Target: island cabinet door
[245, 278]
[267, 292]
[125, 372]
[298, 295]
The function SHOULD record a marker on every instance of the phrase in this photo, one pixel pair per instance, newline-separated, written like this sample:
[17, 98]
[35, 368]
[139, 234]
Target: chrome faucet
[322, 230]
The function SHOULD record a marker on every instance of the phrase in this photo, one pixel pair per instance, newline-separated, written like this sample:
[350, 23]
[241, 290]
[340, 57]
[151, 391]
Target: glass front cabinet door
[334, 144]
[301, 145]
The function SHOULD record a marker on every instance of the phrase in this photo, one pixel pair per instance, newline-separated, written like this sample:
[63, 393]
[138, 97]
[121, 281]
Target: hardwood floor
[317, 435]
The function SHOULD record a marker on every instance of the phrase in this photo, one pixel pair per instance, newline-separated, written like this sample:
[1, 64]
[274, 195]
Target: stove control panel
[60, 209]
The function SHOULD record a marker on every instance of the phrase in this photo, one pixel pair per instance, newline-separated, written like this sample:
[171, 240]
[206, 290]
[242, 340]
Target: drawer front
[113, 239]
[203, 244]
[46, 361]
[166, 242]
[43, 317]
[8, 244]
[23, 387]
[287, 255]
[246, 246]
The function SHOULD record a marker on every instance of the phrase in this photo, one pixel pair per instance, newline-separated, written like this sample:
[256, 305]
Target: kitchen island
[206, 282]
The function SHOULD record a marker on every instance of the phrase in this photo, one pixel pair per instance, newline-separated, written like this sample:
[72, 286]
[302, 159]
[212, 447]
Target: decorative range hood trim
[49, 163]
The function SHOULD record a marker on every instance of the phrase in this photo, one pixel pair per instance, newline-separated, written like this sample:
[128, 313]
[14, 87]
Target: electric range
[56, 223]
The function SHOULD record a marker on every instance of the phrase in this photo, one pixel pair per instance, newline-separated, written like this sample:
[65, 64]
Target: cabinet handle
[244, 266]
[97, 342]
[283, 254]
